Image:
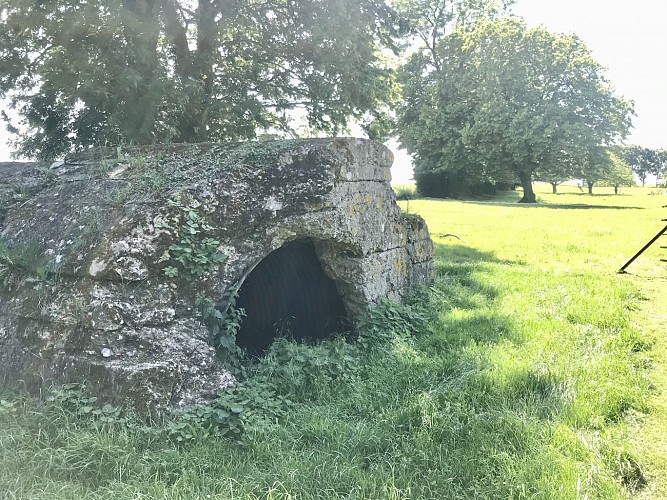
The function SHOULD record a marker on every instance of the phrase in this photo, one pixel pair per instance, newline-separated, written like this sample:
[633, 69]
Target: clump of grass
[23, 262]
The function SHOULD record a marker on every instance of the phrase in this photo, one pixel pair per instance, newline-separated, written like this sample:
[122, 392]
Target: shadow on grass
[467, 287]
[580, 206]
[583, 206]
[594, 195]
[452, 257]
[507, 201]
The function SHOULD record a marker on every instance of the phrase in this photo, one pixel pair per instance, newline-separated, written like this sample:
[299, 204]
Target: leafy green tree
[82, 72]
[643, 161]
[555, 174]
[662, 156]
[594, 167]
[429, 21]
[509, 100]
[433, 75]
[619, 173]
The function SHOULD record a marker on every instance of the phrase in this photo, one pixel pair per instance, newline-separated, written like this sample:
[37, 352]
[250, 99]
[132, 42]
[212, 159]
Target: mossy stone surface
[83, 292]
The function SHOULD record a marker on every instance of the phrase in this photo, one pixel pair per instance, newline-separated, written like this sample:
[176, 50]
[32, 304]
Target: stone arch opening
[289, 294]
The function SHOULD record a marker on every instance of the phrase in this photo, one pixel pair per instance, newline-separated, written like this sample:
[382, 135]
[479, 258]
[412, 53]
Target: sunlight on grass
[523, 372]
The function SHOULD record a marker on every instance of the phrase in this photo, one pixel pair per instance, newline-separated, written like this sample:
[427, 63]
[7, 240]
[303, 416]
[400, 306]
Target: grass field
[530, 369]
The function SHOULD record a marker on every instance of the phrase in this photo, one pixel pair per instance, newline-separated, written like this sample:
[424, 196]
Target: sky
[628, 38]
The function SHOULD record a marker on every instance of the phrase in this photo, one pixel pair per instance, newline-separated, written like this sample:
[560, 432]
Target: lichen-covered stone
[84, 288]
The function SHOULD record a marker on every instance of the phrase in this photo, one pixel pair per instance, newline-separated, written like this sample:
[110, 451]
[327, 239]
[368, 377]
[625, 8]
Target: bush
[405, 192]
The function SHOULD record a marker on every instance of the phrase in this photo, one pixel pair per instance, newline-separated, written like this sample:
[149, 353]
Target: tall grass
[514, 376]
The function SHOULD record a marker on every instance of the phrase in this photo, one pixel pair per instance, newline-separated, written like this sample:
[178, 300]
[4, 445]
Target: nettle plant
[194, 251]
[222, 326]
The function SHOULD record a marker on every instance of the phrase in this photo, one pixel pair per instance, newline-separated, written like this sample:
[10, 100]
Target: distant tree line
[620, 167]
[480, 100]
[645, 162]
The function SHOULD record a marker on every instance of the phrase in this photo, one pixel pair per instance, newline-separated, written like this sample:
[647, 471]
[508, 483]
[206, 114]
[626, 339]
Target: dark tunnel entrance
[289, 294]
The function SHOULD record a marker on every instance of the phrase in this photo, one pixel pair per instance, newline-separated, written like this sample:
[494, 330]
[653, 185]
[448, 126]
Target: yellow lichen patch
[400, 264]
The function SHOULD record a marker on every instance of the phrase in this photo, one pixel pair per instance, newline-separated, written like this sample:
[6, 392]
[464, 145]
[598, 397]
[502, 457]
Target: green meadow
[529, 369]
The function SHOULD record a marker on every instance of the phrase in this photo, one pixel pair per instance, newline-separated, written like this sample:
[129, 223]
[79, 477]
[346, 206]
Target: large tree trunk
[177, 35]
[590, 187]
[615, 189]
[554, 185]
[194, 63]
[142, 32]
[527, 185]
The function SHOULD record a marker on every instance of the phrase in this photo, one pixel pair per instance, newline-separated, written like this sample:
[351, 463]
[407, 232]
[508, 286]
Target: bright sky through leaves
[629, 38]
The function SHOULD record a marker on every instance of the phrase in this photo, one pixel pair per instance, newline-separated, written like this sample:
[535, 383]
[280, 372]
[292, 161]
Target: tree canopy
[82, 72]
[507, 102]
[619, 174]
[644, 161]
[430, 21]
[442, 165]
[557, 173]
[595, 166]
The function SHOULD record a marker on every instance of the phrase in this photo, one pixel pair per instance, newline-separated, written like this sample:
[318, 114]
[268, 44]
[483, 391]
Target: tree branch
[39, 57]
[177, 35]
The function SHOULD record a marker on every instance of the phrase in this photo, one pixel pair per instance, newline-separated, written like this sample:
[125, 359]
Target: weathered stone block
[103, 255]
